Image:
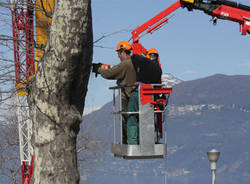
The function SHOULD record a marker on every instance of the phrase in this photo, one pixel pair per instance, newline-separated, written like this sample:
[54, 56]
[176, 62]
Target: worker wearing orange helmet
[124, 73]
[153, 55]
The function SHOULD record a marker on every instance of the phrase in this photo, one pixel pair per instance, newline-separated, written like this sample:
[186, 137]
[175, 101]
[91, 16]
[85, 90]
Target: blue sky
[190, 46]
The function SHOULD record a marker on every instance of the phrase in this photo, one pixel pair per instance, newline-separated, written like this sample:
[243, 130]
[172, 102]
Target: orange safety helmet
[123, 45]
[152, 51]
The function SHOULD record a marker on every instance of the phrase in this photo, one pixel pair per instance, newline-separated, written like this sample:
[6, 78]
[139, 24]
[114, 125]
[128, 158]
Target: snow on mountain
[90, 110]
[169, 80]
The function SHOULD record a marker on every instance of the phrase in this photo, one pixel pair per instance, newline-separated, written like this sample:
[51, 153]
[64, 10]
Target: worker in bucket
[124, 73]
[153, 55]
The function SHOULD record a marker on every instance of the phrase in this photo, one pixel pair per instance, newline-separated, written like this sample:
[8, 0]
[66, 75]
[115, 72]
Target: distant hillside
[216, 89]
[211, 112]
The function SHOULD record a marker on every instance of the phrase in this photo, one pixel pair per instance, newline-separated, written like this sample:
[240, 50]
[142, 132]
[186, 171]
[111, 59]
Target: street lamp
[213, 157]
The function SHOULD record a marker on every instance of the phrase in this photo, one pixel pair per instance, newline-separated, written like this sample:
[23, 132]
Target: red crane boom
[218, 9]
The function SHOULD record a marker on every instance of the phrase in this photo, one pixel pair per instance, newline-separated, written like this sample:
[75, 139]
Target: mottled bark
[58, 93]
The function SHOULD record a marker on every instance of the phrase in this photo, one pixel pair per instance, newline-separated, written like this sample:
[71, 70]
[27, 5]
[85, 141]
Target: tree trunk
[58, 93]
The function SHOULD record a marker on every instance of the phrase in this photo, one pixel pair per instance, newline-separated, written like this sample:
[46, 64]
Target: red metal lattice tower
[23, 40]
[23, 43]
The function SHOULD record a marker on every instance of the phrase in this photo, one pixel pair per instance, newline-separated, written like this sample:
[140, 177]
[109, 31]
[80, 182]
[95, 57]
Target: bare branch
[105, 35]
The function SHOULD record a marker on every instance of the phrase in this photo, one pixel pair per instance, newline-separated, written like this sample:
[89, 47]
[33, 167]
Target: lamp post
[213, 157]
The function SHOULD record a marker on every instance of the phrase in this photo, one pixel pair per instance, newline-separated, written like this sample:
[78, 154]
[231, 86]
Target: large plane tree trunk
[58, 93]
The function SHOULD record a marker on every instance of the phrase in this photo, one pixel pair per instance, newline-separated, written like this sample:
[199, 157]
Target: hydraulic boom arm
[224, 9]
[218, 9]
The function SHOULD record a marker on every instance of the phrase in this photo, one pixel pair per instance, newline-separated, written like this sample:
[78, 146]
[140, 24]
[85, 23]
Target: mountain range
[207, 113]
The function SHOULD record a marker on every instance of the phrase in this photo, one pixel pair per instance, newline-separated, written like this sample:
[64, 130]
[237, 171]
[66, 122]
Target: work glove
[95, 67]
[106, 66]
